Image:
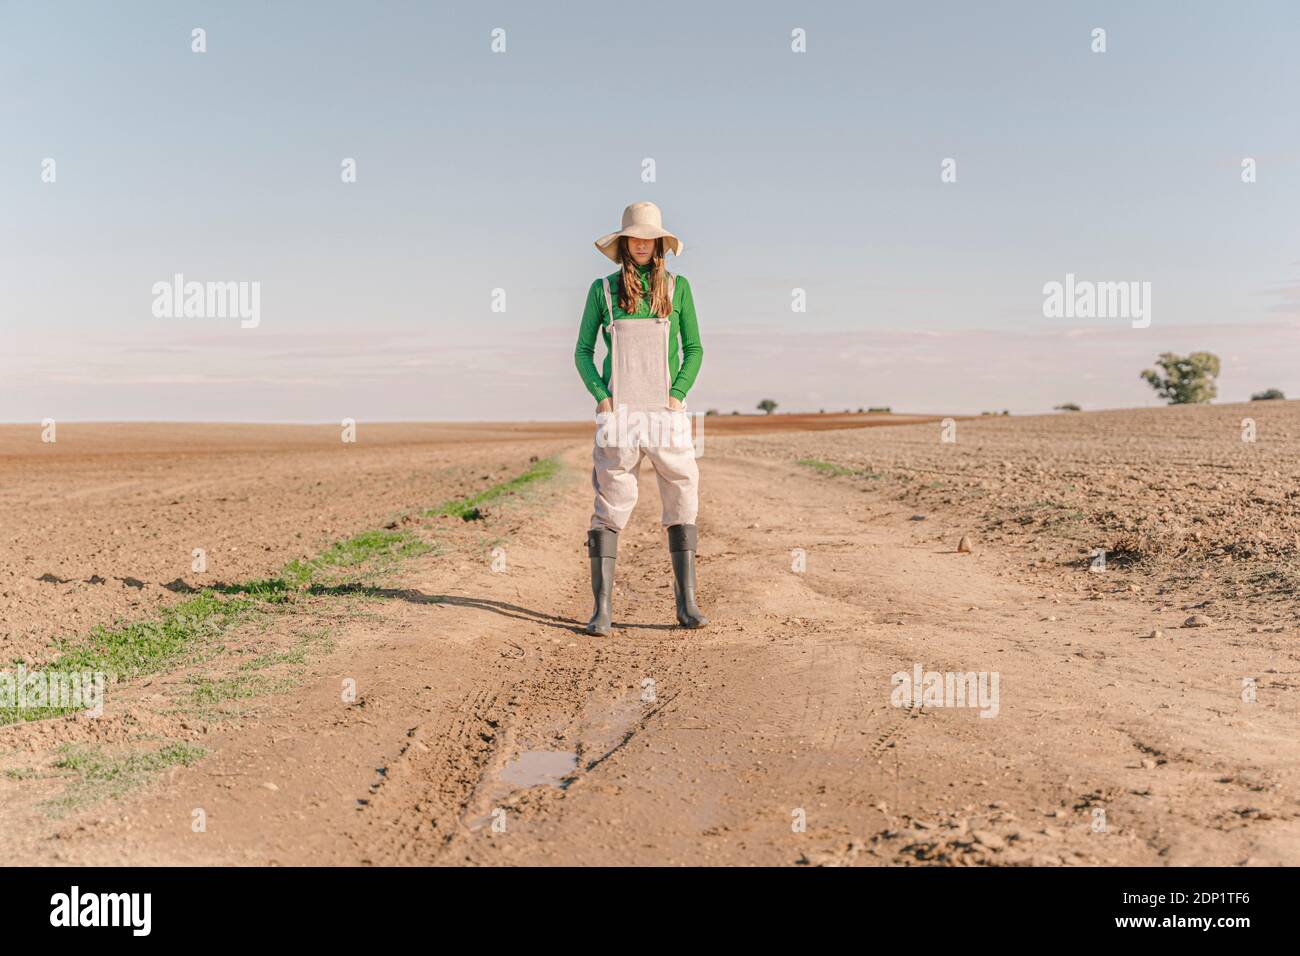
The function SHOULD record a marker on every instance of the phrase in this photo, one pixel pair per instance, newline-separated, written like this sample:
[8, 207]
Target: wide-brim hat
[641, 220]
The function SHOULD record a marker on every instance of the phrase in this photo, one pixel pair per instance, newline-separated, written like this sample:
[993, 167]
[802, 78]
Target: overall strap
[609, 302]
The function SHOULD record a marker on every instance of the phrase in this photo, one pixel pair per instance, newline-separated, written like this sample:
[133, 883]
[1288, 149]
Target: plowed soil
[453, 713]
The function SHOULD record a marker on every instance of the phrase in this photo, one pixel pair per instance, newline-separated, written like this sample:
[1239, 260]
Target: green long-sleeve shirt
[685, 353]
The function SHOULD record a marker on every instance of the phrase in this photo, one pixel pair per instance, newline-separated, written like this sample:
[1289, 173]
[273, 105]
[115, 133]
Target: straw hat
[641, 220]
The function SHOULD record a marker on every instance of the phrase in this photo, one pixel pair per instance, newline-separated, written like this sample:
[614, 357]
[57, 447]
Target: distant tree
[1268, 395]
[734, 412]
[711, 411]
[1188, 380]
[1068, 407]
[879, 410]
[767, 406]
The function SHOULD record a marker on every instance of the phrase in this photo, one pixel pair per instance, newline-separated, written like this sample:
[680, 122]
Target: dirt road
[771, 737]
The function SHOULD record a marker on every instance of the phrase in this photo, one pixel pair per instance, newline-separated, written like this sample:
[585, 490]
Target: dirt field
[425, 697]
[103, 522]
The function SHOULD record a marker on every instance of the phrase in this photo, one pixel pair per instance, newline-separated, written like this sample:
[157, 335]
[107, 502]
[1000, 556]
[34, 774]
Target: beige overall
[642, 425]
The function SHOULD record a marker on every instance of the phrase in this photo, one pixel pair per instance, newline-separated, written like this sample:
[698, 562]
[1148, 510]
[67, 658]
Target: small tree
[1068, 407]
[1268, 394]
[767, 406]
[1187, 379]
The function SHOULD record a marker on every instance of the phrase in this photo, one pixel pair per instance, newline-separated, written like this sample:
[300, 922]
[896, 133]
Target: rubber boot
[682, 540]
[602, 548]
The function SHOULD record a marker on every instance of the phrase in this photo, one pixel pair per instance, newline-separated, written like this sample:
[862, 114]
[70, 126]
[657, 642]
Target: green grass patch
[145, 647]
[207, 696]
[825, 467]
[95, 775]
[383, 547]
[834, 470]
[468, 508]
[13, 715]
[209, 693]
[265, 590]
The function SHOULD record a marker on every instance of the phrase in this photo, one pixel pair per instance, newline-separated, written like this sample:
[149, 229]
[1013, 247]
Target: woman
[652, 355]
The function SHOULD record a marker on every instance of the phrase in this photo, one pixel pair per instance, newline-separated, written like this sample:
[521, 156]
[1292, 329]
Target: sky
[479, 170]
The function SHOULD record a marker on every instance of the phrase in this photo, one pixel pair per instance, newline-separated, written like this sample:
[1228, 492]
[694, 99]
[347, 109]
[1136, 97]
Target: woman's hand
[674, 404]
[605, 406]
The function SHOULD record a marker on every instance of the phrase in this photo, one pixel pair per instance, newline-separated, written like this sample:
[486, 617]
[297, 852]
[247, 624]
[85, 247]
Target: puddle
[537, 767]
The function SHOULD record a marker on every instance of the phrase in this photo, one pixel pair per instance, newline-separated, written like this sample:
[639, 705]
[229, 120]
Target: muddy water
[537, 767]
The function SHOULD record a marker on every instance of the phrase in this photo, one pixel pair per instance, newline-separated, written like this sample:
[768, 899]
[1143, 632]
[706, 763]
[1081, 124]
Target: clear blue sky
[778, 170]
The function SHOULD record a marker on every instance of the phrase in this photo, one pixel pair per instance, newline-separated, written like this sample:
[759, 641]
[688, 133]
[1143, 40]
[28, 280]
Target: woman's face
[641, 250]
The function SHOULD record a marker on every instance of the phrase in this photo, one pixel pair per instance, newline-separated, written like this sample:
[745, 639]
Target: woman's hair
[629, 287]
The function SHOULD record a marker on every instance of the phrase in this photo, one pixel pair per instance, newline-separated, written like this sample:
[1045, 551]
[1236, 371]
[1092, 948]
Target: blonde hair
[630, 294]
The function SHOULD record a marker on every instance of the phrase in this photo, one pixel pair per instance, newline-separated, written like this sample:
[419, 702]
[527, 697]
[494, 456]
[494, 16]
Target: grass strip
[135, 649]
[383, 547]
[833, 470]
[468, 508]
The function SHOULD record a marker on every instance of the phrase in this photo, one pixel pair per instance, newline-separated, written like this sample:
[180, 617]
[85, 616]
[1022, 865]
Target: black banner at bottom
[337, 905]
